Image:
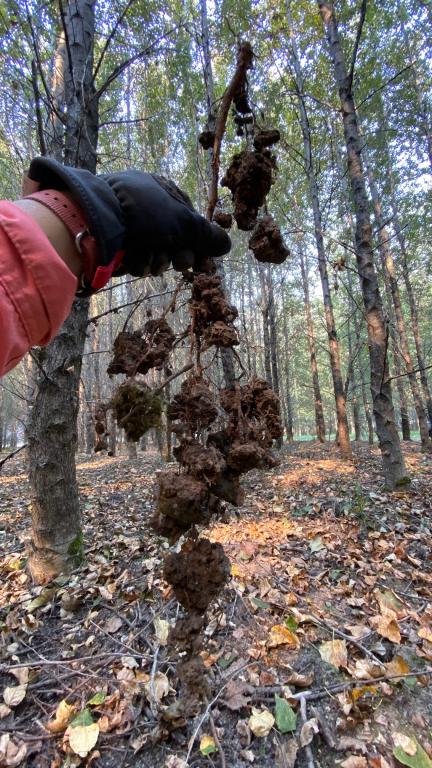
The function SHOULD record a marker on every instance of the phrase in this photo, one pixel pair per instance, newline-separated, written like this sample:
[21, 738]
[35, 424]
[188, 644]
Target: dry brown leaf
[281, 635]
[261, 722]
[425, 633]
[4, 711]
[237, 695]
[162, 628]
[113, 625]
[355, 761]
[83, 738]
[300, 681]
[334, 652]
[21, 674]
[386, 625]
[286, 753]
[397, 666]
[14, 695]
[390, 603]
[175, 762]
[63, 715]
[308, 731]
[363, 669]
[357, 630]
[157, 688]
[11, 754]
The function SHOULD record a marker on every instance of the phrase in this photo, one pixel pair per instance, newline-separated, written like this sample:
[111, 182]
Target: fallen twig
[307, 748]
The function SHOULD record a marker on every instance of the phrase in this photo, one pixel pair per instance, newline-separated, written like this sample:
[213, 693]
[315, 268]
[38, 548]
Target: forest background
[153, 93]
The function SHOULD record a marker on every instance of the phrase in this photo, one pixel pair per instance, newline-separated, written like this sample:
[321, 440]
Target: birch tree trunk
[389, 268]
[393, 461]
[56, 538]
[335, 364]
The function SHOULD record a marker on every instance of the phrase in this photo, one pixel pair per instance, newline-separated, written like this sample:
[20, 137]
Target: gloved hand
[141, 214]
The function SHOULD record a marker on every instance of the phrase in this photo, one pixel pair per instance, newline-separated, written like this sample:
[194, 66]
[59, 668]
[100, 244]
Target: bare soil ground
[326, 624]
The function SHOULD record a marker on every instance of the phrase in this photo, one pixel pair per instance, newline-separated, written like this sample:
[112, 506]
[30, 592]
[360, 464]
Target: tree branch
[357, 42]
[111, 37]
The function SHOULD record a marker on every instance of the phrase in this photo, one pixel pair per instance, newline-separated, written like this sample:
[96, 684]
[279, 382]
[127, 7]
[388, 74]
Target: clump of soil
[220, 334]
[228, 488]
[224, 220]
[244, 457]
[207, 463]
[186, 634]
[257, 402]
[206, 139]
[249, 177]
[208, 302]
[194, 406]
[197, 573]
[182, 500]
[139, 351]
[266, 138]
[136, 408]
[267, 242]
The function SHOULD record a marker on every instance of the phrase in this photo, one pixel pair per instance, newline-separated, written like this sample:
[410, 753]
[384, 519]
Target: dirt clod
[194, 406]
[206, 139]
[267, 242]
[249, 177]
[197, 573]
[136, 408]
[139, 351]
[182, 499]
[206, 463]
[220, 334]
[224, 220]
[244, 457]
[265, 138]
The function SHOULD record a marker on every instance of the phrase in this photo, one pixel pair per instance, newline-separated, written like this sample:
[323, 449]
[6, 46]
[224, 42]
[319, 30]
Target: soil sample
[140, 351]
[136, 408]
[249, 177]
[267, 243]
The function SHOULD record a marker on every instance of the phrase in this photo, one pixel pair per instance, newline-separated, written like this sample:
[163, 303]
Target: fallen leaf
[157, 688]
[207, 744]
[286, 753]
[113, 625]
[386, 625]
[261, 722]
[389, 602]
[286, 718]
[334, 652]
[21, 674]
[4, 711]
[14, 695]
[404, 742]
[397, 666]
[418, 759]
[300, 681]
[11, 754]
[358, 630]
[317, 544]
[237, 695]
[248, 755]
[175, 762]
[162, 628]
[281, 635]
[82, 738]
[308, 731]
[97, 699]
[354, 761]
[425, 633]
[63, 715]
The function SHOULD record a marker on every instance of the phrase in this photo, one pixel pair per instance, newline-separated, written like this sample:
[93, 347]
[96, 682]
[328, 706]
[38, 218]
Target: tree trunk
[265, 307]
[393, 461]
[288, 399]
[389, 269]
[338, 387]
[56, 543]
[319, 411]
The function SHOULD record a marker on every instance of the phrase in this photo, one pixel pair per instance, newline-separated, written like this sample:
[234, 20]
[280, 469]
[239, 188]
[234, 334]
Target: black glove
[145, 215]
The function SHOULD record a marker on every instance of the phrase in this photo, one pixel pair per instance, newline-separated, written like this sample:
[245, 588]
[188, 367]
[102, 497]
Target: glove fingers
[184, 259]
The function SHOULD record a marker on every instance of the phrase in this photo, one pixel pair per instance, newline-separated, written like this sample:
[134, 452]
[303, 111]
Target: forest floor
[319, 652]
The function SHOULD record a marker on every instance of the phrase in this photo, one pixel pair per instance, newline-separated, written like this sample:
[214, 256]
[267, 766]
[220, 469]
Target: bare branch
[357, 42]
[111, 37]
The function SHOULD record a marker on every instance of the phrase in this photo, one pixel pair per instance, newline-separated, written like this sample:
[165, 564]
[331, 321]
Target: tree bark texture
[56, 543]
[393, 461]
[335, 364]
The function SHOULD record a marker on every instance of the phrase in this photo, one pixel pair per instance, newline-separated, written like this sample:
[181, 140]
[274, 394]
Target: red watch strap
[74, 219]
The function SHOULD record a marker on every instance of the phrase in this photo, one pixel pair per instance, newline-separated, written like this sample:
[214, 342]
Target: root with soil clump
[249, 177]
[138, 352]
[136, 409]
[267, 243]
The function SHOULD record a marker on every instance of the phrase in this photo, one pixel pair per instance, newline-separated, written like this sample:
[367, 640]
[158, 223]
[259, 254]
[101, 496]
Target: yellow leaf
[281, 635]
[161, 629]
[404, 742]
[397, 666]
[387, 626]
[425, 633]
[235, 571]
[63, 715]
[83, 738]
[14, 695]
[261, 722]
[207, 744]
[358, 693]
[334, 652]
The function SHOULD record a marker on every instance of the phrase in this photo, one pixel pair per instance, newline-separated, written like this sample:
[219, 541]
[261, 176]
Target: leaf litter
[321, 641]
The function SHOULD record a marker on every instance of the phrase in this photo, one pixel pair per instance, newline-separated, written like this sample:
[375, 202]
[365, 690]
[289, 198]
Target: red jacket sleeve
[36, 287]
